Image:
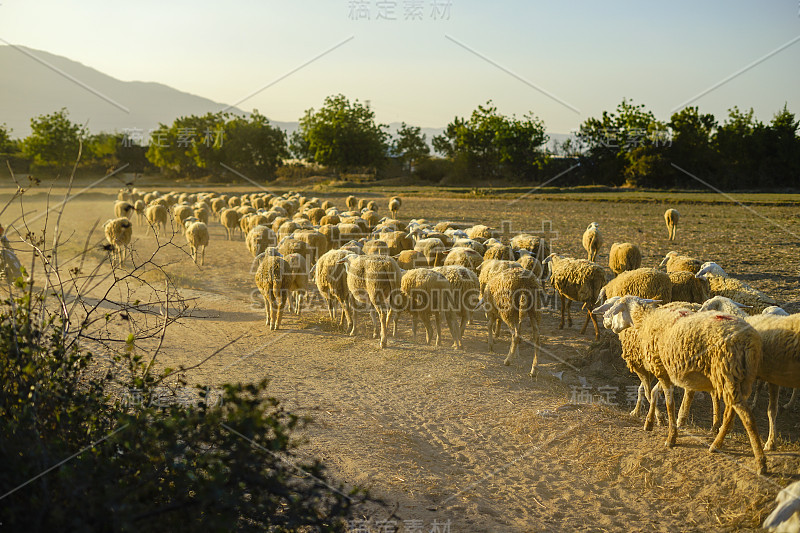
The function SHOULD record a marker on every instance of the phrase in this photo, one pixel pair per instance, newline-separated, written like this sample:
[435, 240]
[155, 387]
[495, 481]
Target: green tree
[8, 146]
[489, 144]
[738, 142]
[251, 146]
[344, 135]
[54, 139]
[176, 149]
[780, 162]
[691, 147]
[410, 145]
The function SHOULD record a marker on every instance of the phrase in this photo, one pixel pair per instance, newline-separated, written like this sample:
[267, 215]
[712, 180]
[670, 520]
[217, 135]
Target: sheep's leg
[373, 315]
[535, 341]
[329, 303]
[590, 316]
[465, 319]
[686, 404]
[651, 412]
[669, 397]
[414, 316]
[772, 414]
[203, 256]
[383, 316]
[727, 420]
[513, 349]
[454, 326]
[791, 400]
[569, 314]
[715, 409]
[437, 316]
[746, 416]
[352, 312]
[281, 305]
[299, 302]
[563, 310]
[426, 321]
[756, 387]
[267, 309]
[491, 344]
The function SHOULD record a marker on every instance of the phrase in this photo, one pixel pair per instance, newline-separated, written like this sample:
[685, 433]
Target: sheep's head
[774, 310]
[667, 258]
[593, 225]
[721, 303]
[710, 268]
[618, 311]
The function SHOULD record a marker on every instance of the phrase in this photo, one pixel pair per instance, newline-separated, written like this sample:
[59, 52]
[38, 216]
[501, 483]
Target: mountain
[30, 88]
[37, 82]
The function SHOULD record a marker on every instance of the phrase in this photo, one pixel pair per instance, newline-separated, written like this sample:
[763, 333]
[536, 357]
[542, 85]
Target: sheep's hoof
[561, 326]
[507, 362]
[712, 448]
[769, 446]
[762, 467]
[669, 443]
[680, 422]
[636, 412]
[648, 425]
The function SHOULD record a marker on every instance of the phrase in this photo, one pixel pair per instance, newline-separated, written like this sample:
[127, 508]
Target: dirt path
[456, 437]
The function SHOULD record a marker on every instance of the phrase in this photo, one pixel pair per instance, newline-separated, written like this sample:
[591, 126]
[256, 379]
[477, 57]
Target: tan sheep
[394, 206]
[576, 280]
[735, 289]
[408, 259]
[229, 218]
[272, 279]
[180, 213]
[351, 202]
[688, 288]
[124, 209]
[118, 232]
[623, 257]
[512, 295]
[671, 217]
[259, 239]
[298, 281]
[465, 288]
[642, 282]
[330, 277]
[681, 263]
[427, 292]
[706, 351]
[592, 240]
[532, 243]
[156, 215]
[433, 249]
[465, 257]
[499, 251]
[197, 237]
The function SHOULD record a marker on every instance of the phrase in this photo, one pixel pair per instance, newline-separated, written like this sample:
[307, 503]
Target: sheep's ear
[664, 261]
[742, 306]
[649, 301]
[603, 308]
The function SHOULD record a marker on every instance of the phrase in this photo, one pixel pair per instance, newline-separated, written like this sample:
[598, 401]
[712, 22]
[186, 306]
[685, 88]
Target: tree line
[628, 146]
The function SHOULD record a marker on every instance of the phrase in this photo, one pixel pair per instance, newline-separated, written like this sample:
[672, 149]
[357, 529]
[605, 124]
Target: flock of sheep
[683, 323]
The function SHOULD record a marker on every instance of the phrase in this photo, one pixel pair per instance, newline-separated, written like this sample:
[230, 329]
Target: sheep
[671, 217]
[592, 240]
[375, 280]
[376, 247]
[529, 262]
[623, 257]
[707, 351]
[298, 281]
[409, 259]
[372, 206]
[157, 218]
[330, 220]
[688, 288]
[201, 213]
[332, 235]
[317, 242]
[331, 280]
[480, 232]
[774, 310]
[118, 233]
[780, 365]
[124, 209]
[394, 206]
[534, 244]
[217, 205]
[180, 213]
[350, 232]
[290, 245]
[576, 280]
[351, 202]
[677, 263]
[229, 218]
[272, 279]
[512, 295]
[489, 268]
[785, 518]
[470, 243]
[499, 251]
[259, 239]
[139, 206]
[433, 249]
[642, 282]
[362, 204]
[466, 257]
[428, 293]
[466, 296]
[371, 218]
[197, 237]
[725, 305]
[737, 290]
[397, 241]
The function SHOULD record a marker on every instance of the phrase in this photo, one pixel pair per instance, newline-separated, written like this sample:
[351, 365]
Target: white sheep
[466, 295]
[124, 209]
[180, 213]
[197, 237]
[576, 280]
[229, 218]
[706, 351]
[330, 277]
[259, 239]
[671, 217]
[785, 517]
[725, 305]
[428, 292]
[433, 249]
[298, 281]
[642, 282]
[686, 287]
[592, 240]
[118, 233]
[735, 289]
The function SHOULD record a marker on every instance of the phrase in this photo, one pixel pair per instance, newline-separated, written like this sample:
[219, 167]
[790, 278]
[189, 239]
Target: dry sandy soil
[454, 437]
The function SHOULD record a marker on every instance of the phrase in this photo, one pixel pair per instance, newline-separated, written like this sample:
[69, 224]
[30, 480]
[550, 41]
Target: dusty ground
[456, 437]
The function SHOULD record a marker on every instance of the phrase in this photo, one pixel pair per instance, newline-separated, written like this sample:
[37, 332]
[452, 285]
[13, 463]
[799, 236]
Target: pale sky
[586, 54]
